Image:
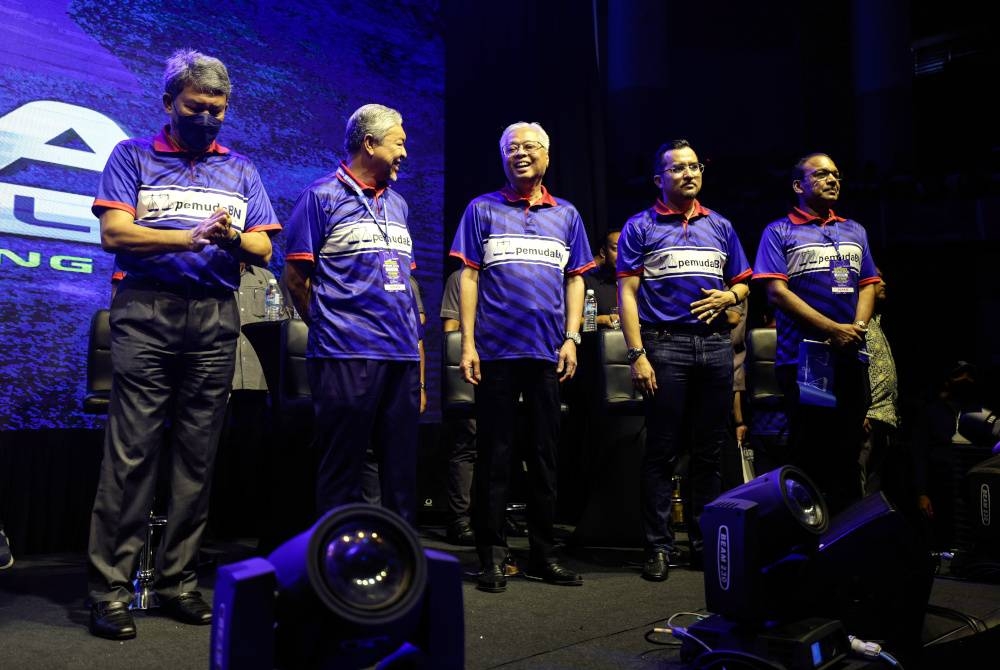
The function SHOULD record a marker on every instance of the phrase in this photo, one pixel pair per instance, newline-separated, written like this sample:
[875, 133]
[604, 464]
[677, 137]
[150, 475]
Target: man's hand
[741, 433]
[926, 508]
[567, 360]
[846, 335]
[212, 230]
[643, 377]
[470, 366]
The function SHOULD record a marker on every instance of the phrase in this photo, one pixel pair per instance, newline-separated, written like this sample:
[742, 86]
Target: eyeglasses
[693, 168]
[529, 148]
[823, 175]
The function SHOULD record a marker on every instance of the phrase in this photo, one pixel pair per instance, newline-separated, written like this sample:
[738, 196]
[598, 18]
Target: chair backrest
[762, 386]
[457, 395]
[295, 395]
[619, 395]
[95, 401]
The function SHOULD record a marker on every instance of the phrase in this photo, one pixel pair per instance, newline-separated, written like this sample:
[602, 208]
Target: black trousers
[497, 414]
[826, 442]
[172, 358]
[360, 404]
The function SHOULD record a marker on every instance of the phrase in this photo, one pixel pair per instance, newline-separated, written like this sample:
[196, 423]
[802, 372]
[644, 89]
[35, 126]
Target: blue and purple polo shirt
[523, 253]
[353, 313]
[676, 258]
[799, 248]
[163, 186]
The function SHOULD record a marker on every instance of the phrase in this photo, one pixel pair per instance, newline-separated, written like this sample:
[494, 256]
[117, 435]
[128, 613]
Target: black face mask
[197, 131]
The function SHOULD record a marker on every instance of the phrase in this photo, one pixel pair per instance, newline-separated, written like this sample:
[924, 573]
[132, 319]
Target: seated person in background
[602, 280]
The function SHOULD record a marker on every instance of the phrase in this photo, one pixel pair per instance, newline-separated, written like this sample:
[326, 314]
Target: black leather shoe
[189, 608]
[492, 579]
[111, 620]
[554, 573]
[657, 567]
[461, 534]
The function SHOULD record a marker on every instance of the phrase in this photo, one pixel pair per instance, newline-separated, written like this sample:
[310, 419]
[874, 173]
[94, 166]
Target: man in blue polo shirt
[524, 252]
[180, 212]
[348, 262]
[820, 276]
[680, 266]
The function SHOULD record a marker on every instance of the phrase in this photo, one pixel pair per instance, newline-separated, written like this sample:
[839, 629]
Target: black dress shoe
[657, 567]
[461, 534]
[189, 608]
[492, 579]
[554, 573]
[111, 620]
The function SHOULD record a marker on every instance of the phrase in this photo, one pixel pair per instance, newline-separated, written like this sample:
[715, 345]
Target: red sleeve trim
[112, 204]
[630, 273]
[771, 275]
[465, 261]
[303, 256]
[740, 277]
[579, 271]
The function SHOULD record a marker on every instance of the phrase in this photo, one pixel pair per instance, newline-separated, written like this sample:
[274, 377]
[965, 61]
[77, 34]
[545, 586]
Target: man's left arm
[866, 304]
[255, 246]
[574, 315]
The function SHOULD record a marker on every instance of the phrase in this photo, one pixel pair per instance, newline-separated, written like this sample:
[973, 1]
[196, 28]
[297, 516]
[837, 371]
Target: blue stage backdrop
[77, 77]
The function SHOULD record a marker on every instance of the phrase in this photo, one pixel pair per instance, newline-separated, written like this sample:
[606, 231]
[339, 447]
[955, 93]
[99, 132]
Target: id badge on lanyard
[840, 276]
[840, 268]
[392, 275]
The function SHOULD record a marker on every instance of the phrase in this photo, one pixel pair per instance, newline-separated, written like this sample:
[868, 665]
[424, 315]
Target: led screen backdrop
[77, 77]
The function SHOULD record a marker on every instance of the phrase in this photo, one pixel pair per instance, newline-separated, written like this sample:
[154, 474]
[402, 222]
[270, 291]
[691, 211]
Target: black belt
[683, 329]
[185, 290]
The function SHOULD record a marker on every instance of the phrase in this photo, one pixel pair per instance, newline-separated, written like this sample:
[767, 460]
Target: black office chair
[618, 394]
[95, 401]
[610, 516]
[294, 397]
[765, 400]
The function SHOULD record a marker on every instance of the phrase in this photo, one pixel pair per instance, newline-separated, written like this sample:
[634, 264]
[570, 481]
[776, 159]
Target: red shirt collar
[513, 197]
[367, 188]
[164, 143]
[799, 217]
[666, 209]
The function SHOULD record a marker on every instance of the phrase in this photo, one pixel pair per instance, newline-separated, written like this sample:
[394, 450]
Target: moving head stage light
[786, 582]
[354, 590]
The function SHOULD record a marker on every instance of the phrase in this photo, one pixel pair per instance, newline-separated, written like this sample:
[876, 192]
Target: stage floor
[602, 624]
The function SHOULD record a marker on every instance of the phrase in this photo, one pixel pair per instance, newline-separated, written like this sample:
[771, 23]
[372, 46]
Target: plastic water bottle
[274, 302]
[590, 312]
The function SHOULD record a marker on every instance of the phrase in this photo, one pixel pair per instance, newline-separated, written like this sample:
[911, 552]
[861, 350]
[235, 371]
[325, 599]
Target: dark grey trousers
[172, 356]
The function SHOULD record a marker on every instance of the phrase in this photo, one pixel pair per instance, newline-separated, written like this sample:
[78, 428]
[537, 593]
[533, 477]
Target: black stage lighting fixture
[758, 539]
[353, 591]
[982, 481]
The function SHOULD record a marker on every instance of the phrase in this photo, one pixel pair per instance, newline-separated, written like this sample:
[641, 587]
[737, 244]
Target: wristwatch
[573, 335]
[232, 242]
[632, 355]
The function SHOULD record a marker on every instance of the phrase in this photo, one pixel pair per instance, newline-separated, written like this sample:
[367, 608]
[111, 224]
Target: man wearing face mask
[180, 212]
[348, 263]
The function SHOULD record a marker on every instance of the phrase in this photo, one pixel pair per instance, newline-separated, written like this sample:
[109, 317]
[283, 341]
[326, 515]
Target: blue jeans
[694, 379]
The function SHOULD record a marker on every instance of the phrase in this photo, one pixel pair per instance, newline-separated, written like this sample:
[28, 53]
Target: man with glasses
[524, 253]
[680, 266]
[821, 279]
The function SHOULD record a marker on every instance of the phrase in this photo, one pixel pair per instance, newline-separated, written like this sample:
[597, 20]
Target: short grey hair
[371, 119]
[537, 127]
[205, 74]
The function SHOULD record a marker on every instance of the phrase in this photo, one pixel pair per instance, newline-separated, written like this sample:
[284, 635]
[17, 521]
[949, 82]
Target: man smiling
[521, 290]
[348, 263]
